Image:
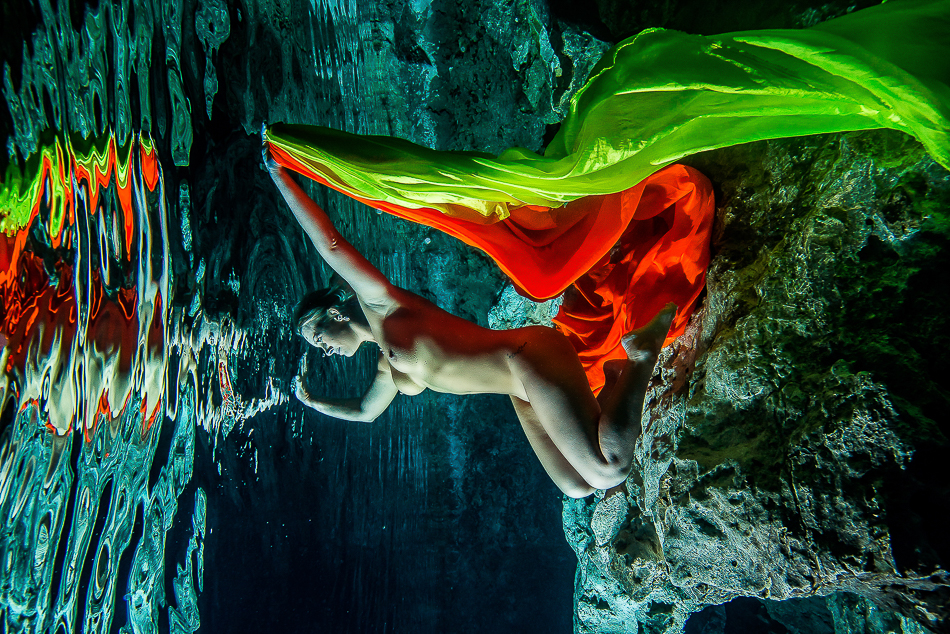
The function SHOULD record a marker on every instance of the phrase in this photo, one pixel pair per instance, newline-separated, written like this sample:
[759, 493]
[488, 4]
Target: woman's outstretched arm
[374, 402]
[364, 278]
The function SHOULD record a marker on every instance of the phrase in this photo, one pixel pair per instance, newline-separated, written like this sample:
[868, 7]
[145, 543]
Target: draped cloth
[607, 178]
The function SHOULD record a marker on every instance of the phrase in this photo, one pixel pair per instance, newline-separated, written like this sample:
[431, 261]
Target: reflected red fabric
[621, 256]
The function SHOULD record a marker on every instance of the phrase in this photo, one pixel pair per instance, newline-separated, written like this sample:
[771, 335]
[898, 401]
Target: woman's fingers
[299, 390]
[270, 163]
[266, 156]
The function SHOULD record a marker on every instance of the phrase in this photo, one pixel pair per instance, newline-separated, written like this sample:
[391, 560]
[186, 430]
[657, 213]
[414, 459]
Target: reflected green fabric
[663, 95]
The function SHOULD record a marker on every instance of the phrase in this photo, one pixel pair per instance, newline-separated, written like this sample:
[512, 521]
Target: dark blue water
[156, 473]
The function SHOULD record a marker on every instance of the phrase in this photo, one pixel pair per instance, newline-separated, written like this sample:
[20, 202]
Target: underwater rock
[621, 18]
[792, 435]
[512, 310]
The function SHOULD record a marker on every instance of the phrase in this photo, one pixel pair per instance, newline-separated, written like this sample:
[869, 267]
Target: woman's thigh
[557, 389]
[564, 475]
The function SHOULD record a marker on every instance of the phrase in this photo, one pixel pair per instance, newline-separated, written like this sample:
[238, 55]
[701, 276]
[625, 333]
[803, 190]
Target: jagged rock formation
[796, 431]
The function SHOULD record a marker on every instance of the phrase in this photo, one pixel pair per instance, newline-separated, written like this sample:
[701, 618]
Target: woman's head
[325, 319]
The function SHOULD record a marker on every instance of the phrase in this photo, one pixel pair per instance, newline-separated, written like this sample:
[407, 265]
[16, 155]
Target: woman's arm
[374, 402]
[364, 278]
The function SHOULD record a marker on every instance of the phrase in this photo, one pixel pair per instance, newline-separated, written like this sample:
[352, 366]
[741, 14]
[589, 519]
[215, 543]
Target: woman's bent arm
[374, 402]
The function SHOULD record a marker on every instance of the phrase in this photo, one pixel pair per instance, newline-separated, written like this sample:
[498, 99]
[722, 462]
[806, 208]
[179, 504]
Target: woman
[605, 210]
[583, 442]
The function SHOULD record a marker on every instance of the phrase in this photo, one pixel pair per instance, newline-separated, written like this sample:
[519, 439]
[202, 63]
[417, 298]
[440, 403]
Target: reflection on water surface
[84, 284]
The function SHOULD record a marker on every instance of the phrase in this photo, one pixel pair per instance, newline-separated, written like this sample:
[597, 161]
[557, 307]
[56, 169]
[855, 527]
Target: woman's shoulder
[393, 313]
[405, 303]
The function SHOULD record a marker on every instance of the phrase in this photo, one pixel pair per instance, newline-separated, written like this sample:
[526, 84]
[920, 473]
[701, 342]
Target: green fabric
[663, 95]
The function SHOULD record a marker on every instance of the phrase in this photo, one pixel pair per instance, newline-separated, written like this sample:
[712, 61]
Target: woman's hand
[271, 164]
[301, 392]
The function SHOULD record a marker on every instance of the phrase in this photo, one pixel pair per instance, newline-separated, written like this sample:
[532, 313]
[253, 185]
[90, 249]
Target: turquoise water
[155, 471]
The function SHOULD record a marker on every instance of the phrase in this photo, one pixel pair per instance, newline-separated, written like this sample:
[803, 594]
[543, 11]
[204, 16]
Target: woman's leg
[622, 405]
[565, 476]
[595, 439]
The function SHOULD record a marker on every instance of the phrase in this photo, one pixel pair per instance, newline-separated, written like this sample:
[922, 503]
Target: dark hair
[314, 306]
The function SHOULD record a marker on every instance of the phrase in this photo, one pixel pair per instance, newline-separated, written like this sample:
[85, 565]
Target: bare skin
[584, 443]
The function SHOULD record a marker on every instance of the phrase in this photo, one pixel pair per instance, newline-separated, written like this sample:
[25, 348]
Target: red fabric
[624, 255]
[661, 256]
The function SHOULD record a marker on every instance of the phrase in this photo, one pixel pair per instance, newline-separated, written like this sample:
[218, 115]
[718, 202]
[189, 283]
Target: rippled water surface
[156, 473]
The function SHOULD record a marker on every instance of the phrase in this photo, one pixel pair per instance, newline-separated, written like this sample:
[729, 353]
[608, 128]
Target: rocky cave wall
[795, 437]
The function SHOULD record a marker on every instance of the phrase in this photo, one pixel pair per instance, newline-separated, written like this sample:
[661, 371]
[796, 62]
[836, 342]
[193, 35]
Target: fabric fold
[662, 95]
[604, 211]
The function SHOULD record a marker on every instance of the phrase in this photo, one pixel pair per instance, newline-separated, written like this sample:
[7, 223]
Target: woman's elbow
[576, 491]
[368, 417]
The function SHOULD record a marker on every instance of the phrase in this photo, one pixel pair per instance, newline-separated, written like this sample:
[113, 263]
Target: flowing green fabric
[663, 95]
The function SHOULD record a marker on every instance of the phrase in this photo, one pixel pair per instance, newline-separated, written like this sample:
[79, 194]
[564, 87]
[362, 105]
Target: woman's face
[333, 334]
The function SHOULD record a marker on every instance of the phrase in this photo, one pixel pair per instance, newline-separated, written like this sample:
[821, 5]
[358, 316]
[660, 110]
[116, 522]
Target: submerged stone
[790, 429]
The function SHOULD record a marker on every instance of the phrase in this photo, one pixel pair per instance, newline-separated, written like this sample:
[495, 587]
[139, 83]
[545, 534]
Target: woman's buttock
[546, 356]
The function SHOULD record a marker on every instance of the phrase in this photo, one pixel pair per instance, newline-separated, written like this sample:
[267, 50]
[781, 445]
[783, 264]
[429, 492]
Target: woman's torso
[427, 347]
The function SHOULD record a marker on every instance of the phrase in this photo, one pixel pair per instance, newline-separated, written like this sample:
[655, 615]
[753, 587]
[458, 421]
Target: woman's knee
[577, 490]
[608, 476]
